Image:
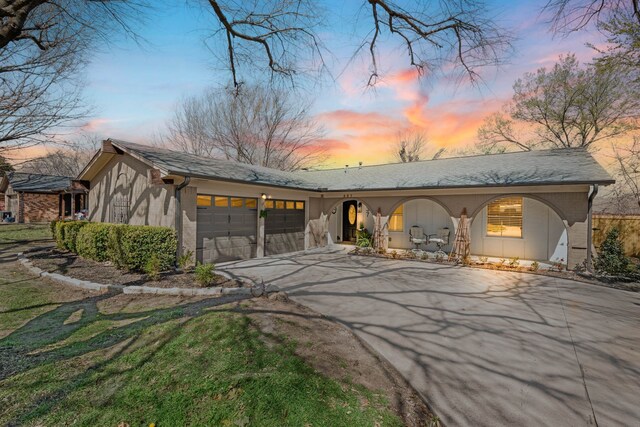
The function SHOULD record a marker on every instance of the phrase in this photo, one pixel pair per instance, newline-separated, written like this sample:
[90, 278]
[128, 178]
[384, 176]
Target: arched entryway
[522, 226]
[427, 213]
[346, 216]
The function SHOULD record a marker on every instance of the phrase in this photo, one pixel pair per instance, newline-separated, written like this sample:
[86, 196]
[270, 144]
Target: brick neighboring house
[37, 198]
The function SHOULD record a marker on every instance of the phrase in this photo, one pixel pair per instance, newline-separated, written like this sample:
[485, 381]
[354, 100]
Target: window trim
[486, 219]
[401, 206]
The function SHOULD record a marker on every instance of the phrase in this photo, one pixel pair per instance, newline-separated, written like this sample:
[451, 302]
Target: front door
[349, 220]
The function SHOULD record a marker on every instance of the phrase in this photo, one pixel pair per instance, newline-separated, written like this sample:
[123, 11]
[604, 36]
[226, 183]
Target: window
[290, 204]
[251, 203]
[300, 205]
[221, 202]
[268, 204]
[204, 200]
[279, 204]
[236, 202]
[396, 220]
[504, 217]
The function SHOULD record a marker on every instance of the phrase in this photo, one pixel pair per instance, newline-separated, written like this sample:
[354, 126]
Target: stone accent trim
[252, 291]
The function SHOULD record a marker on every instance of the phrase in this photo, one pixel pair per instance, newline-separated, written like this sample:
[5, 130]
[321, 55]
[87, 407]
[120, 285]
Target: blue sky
[133, 87]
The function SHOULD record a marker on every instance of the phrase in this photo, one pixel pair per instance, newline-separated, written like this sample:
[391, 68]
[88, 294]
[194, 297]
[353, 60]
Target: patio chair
[441, 238]
[417, 236]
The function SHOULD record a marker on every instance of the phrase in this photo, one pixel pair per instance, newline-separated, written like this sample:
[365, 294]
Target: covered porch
[534, 224]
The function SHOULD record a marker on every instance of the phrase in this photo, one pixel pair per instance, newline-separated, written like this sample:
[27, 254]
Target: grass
[24, 232]
[69, 357]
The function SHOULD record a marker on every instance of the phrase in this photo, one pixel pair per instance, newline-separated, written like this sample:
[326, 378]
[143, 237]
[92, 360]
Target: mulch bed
[69, 264]
[564, 274]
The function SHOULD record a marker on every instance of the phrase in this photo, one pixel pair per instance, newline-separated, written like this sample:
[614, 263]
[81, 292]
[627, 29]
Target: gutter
[178, 218]
[592, 196]
[354, 189]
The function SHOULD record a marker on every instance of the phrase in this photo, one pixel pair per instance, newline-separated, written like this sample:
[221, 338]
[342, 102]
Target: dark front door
[349, 220]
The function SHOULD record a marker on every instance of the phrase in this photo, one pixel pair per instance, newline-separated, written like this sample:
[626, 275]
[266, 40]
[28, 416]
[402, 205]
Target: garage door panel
[226, 232]
[284, 231]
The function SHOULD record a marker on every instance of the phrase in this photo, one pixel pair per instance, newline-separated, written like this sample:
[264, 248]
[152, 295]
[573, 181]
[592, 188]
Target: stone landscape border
[253, 290]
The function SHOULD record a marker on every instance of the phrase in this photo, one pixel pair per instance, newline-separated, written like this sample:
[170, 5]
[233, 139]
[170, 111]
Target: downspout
[592, 196]
[179, 188]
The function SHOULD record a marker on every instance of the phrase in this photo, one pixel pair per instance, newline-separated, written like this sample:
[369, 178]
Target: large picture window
[504, 217]
[396, 220]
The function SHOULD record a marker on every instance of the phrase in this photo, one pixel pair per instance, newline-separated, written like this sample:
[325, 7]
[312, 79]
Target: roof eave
[430, 187]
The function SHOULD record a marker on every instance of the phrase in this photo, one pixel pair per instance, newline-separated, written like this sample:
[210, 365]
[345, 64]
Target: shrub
[115, 251]
[185, 260]
[204, 273]
[611, 259]
[59, 234]
[535, 265]
[139, 242]
[92, 241]
[71, 230]
[152, 267]
[52, 227]
[514, 262]
[363, 238]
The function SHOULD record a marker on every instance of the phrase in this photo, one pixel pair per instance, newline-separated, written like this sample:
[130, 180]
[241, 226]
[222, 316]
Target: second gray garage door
[226, 228]
[284, 226]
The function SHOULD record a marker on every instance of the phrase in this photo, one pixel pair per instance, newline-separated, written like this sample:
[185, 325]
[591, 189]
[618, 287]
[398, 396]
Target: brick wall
[38, 207]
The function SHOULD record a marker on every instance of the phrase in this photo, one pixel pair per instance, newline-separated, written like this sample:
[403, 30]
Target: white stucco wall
[544, 236]
[424, 213]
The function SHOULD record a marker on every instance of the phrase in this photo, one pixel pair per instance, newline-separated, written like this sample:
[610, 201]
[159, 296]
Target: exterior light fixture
[263, 196]
[359, 207]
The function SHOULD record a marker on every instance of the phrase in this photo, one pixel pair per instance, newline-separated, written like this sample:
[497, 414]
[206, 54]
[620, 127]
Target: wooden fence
[629, 226]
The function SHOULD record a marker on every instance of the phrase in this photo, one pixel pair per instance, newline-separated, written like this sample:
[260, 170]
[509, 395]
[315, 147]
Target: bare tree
[5, 166]
[410, 147]
[254, 125]
[281, 35]
[566, 107]
[617, 20]
[43, 48]
[627, 170]
[66, 161]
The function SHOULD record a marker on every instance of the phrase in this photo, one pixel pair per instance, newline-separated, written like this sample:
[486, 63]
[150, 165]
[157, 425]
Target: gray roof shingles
[36, 183]
[544, 167]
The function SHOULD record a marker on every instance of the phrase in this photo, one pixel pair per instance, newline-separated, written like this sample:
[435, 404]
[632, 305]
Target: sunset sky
[133, 87]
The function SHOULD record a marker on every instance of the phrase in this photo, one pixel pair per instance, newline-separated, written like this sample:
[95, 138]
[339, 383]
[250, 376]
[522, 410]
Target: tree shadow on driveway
[483, 347]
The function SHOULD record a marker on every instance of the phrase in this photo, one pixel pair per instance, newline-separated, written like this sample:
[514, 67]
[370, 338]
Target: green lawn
[23, 232]
[70, 357]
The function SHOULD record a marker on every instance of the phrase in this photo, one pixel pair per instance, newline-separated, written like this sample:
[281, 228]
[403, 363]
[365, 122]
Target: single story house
[33, 197]
[532, 205]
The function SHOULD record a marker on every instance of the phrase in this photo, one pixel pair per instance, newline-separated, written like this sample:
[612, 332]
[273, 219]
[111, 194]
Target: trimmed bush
[59, 234]
[70, 234]
[92, 241]
[115, 252]
[127, 246]
[52, 227]
[140, 243]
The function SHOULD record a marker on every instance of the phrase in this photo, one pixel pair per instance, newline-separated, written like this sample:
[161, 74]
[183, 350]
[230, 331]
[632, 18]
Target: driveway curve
[483, 347]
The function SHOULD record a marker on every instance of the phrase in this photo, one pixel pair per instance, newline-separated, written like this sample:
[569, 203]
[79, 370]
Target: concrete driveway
[483, 347]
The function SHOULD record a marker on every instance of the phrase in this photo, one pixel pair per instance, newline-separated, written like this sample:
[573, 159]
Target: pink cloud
[95, 125]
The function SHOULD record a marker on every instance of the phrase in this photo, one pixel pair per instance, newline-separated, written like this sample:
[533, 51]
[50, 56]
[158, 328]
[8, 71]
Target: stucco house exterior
[531, 205]
[36, 198]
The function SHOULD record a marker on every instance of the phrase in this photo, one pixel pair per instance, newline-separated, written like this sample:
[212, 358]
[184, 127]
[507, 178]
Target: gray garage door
[226, 228]
[284, 226]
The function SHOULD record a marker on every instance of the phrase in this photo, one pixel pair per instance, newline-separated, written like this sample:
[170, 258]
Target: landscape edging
[255, 291]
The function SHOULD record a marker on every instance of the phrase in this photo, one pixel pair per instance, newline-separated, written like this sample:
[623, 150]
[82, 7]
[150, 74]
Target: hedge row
[126, 246]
